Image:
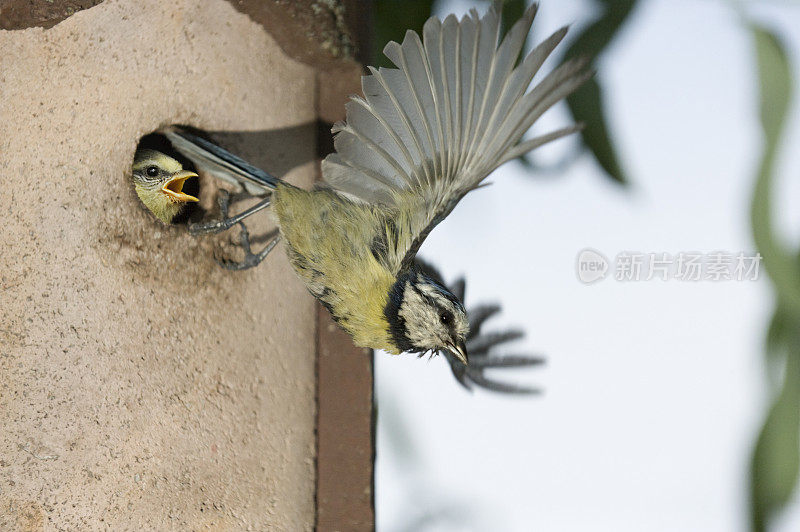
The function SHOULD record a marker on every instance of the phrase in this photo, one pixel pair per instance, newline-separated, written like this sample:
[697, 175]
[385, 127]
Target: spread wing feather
[455, 108]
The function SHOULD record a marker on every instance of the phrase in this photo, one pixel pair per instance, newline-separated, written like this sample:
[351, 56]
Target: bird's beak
[459, 350]
[174, 187]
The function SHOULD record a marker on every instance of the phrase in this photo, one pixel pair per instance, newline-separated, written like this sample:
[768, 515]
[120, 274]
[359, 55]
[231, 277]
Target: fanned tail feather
[216, 161]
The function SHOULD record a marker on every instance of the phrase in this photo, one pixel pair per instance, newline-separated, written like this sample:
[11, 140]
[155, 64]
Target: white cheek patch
[422, 320]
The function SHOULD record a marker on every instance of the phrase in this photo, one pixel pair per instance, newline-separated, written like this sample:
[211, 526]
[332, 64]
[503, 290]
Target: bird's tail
[219, 162]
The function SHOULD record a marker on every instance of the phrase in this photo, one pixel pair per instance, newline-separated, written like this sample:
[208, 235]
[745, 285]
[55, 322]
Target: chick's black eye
[152, 171]
[444, 318]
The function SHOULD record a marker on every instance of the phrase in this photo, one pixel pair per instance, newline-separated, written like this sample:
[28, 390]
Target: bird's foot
[224, 201]
[482, 355]
[251, 260]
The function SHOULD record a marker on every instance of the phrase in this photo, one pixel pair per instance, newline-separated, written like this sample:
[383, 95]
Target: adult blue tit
[158, 180]
[424, 134]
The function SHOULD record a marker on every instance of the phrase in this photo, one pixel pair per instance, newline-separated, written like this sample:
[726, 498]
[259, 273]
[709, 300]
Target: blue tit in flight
[158, 180]
[423, 135]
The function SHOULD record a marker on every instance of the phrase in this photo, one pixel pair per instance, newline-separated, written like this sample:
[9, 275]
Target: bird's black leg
[227, 222]
[251, 259]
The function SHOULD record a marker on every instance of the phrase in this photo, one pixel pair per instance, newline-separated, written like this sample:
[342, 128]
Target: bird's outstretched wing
[455, 108]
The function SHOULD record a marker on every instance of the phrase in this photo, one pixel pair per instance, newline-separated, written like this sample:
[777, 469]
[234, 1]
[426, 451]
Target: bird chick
[158, 180]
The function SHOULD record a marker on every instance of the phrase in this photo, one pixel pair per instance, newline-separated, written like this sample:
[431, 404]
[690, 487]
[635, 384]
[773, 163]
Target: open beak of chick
[173, 188]
[459, 350]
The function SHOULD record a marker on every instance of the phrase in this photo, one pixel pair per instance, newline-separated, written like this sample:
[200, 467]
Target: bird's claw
[482, 343]
[480, 347]
[505, 361]
[224, 201]
[474, 374]
[481, 380]
[251, 260]
[216, 226]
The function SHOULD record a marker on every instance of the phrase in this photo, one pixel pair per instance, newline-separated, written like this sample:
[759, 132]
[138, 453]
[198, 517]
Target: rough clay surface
[141, 386]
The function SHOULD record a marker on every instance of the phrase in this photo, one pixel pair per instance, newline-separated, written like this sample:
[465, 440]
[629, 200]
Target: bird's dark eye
[152, 171]
[444, 318]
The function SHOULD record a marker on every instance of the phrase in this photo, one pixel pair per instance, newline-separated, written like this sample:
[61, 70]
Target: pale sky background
[654, 390]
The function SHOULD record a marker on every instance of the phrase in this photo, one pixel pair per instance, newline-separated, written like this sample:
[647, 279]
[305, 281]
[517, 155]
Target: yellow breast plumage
[330, 243]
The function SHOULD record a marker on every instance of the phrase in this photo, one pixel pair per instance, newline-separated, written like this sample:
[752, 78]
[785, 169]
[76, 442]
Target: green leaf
[594, 38]
[775, 81]
[776, 458]
[779, 333]
[775, 86]
[586, 104]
